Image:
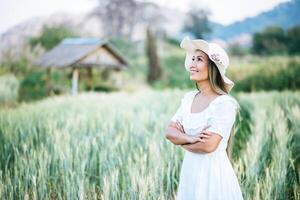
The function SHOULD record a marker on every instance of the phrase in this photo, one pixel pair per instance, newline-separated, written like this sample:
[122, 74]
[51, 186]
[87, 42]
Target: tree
[51, 36]
[272, 40]
[293, 35]
[197, 22]
[155, 71]
[118, 17]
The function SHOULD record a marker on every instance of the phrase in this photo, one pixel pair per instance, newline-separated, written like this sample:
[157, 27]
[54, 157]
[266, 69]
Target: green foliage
[274, 40]
[270, 41]
[105, 88]
[33, 86]
[285, 78]
[16, 66]
[293, 35]
[51, 36]
[176, 75]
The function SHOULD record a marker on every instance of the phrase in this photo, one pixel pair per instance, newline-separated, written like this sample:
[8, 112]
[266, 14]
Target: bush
[104, 88]
[286, 78]
[33, 86]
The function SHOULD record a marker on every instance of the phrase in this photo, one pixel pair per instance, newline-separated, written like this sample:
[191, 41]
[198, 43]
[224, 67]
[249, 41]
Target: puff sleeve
[223, 117]
[180, 111]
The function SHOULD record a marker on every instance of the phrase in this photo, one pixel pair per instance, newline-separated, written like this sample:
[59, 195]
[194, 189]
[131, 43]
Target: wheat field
[112, 146]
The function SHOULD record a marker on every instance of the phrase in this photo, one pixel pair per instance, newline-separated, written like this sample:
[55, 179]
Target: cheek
[203, 71]
[202, 67]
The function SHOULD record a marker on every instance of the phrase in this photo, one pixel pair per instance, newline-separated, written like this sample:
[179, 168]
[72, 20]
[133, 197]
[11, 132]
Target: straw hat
[215, 52]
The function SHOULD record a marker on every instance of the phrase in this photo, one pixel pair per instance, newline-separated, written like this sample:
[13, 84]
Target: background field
[82, 147]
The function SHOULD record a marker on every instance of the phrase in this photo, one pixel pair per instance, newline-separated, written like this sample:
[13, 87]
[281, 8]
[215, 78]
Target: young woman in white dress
[203, 125]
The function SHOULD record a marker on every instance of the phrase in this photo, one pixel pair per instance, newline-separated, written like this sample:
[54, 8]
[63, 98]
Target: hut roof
[76, 52]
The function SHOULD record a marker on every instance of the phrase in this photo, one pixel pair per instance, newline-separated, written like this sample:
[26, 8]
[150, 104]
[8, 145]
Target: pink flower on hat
[215, 57]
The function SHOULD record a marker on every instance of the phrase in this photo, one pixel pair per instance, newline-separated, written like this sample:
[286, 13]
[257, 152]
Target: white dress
[208, 176]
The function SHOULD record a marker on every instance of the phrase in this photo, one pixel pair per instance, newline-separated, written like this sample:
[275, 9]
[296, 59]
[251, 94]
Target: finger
[201, 140]
[179, 126]
[201, 135]
[204, 136]
[206, 132]
[182, 128]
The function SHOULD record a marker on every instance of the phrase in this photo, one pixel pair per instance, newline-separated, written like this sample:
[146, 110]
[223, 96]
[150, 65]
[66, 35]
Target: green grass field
[112, 146]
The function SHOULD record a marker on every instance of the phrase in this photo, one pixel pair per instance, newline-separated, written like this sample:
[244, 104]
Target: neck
[205, 88]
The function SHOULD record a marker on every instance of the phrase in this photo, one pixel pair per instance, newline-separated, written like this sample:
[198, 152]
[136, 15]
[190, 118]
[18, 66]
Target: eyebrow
[200, 56]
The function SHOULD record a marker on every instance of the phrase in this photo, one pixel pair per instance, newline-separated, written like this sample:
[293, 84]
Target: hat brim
[192, 45]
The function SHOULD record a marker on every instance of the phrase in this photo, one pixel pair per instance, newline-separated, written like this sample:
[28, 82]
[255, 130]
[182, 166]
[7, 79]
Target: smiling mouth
[194, 71]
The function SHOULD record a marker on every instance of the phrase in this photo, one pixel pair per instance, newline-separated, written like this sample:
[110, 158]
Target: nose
[192, 66]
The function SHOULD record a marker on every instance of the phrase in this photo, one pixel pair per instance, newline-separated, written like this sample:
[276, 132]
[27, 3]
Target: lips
[194, 71]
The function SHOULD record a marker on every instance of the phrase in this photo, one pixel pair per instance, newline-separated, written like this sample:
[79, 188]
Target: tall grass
[9, 86]
[111, 146]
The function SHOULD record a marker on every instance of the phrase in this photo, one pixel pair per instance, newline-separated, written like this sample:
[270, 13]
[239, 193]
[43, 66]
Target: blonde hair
[216, 79]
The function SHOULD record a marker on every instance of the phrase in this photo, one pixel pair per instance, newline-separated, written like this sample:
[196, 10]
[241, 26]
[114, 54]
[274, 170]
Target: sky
[225, 12]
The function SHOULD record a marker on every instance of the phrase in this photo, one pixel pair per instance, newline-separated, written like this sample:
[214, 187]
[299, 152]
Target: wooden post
[90, 84]
[75, 74]
[48, 82]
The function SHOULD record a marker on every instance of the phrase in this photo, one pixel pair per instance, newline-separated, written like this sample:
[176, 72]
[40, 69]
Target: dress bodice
[219, 114]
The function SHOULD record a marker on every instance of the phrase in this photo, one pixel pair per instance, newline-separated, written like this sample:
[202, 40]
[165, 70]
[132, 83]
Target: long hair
[215, 79]
[219, 86]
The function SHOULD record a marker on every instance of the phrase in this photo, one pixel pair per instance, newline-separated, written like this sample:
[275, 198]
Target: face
[199, 66]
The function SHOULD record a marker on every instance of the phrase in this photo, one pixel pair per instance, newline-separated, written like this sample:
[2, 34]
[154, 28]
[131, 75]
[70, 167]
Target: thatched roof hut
[82, 53]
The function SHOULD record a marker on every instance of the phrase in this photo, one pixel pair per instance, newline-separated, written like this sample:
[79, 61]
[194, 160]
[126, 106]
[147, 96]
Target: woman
[202, 126]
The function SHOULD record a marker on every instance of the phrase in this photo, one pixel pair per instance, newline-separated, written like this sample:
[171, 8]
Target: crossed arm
[204, 142]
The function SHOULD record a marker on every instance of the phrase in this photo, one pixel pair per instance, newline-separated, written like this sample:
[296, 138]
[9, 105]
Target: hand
[204, 134]
[194, 139]
[179, 126]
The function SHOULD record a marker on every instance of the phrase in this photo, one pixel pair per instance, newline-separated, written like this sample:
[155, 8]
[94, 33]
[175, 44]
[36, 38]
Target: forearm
[176, 137]
[198, 147]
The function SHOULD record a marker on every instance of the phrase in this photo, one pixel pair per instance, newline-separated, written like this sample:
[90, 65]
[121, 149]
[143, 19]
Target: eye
[199, 59]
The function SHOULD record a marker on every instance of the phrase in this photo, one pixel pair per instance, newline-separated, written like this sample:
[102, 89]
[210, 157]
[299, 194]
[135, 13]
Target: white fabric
[208, 176]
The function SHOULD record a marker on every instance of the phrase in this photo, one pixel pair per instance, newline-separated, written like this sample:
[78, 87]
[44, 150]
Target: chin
[194, 78]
